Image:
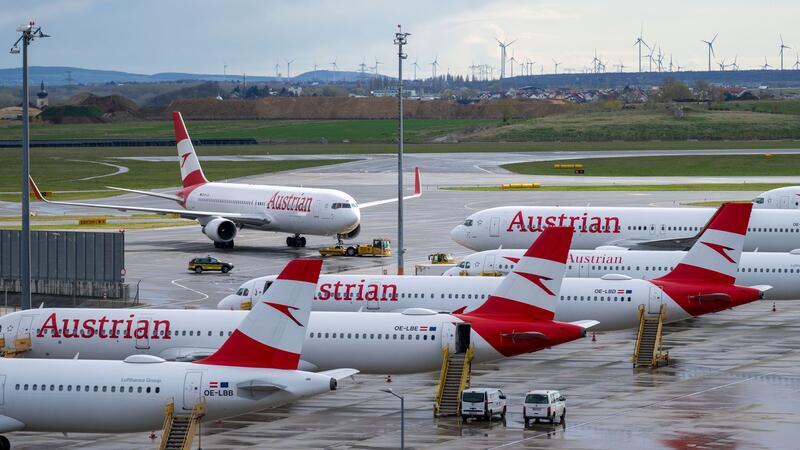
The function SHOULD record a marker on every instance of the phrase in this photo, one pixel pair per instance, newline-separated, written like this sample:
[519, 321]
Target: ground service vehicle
[544, 405]
[379, 247]
[482, 403]
[200, 265]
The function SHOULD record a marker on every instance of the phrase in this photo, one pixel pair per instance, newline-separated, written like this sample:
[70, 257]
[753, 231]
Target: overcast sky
[200, 36]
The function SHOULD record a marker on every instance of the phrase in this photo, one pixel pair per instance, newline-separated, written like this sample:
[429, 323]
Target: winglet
[35, 189]
[715, 255]
[417, 182]
[272, 333]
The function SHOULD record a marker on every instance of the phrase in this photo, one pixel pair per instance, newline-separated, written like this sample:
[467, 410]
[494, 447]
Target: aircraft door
[143, 343]
[463, 332]
[448, 336]
[784, 202]
[488, 264]
[24, 327]
[494, 227]
[583, 271]
[372, 305]
[654, 303]
[192, 389]
[2, 390]
[315, 205]
[652, 229]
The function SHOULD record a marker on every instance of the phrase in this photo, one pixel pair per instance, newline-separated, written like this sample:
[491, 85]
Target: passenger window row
[372, 336]
[589, 298]
[86, 388]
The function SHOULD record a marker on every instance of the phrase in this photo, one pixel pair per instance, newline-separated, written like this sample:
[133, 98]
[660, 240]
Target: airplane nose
[229, 302]
[457, 234]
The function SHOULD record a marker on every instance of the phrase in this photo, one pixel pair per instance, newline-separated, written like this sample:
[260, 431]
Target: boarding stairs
[179, 429]
[648, 351]
[21, 345]
[454, 377]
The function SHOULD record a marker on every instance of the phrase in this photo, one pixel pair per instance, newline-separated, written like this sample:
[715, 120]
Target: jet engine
[220, 230]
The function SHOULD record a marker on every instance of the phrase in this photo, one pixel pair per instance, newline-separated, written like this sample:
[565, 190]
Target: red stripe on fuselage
[241, 350]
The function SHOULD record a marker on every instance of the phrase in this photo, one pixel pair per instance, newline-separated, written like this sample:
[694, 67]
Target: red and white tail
[191, 172]
[531, 290]
[272, 333]
[715, 255]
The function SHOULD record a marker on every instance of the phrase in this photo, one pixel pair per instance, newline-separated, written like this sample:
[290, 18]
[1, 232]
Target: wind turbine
[660, 59]
[377, 63]
[782, 47]
[766, 65]
[710, 49]
[277, 70]
[363, 66]
[796, 61]
[289, 68]
[556, 64]
[434, 65]
[503, 47]
[335, 66]
[722, 65]
[650, 57]
[640, 41]
[513, 61]
[620, 66]
[416, 66]
[735, 64]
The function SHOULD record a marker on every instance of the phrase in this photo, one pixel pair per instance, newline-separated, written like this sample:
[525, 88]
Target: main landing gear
[296, 241]
[228, 244]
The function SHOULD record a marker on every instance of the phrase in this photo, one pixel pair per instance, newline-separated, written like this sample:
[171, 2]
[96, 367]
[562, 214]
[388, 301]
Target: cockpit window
[341, 205]
[468, 223]
[759, 200]
[246, 292]
[462, 264]
[240, 292]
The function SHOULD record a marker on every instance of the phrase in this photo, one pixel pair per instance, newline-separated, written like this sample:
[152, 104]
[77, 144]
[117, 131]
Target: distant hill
[56, 76]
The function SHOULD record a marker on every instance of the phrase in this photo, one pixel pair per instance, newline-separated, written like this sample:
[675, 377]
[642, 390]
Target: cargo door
[654, 304]
[488, 263]
[24, 327]
[494, 227]
[192, 389]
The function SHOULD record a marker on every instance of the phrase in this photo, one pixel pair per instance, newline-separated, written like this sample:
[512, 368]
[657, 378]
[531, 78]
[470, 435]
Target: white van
[545, 405]
[482, 402]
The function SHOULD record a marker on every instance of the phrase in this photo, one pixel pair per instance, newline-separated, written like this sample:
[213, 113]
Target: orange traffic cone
[152, 435]
[594, 338]
[773, 306]
[388, 378]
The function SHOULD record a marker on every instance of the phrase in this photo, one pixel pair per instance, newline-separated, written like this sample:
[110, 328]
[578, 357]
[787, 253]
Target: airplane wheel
[217, 244]
[302, 242]
[5, 444]
[230, 243]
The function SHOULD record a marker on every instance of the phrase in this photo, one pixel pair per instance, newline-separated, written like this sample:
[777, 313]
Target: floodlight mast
[29, 32]
[400, 39]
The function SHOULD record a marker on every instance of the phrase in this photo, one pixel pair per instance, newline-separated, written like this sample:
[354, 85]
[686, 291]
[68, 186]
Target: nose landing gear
[228, 244]
[296, 241]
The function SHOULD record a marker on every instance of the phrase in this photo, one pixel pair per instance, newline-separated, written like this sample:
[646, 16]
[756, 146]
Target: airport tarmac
[733, 382]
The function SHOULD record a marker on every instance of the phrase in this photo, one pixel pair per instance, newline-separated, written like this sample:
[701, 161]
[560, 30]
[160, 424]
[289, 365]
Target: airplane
[781, 198]
[222, 209]
[516, 318]
[640, 228]
[707, 286]
[781, 270]
[255, 367]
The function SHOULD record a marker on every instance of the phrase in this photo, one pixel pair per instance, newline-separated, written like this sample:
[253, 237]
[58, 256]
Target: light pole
[29, 33]
[400, 41]
[402, 417]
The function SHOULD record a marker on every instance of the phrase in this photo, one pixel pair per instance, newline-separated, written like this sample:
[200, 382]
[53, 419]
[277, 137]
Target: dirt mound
[113, 107]
[323, 108]
[207, 91]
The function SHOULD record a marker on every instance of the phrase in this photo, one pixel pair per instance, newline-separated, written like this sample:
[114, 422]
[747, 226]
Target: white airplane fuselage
[777, 269]
[371, 343]
[769, 230]
[320, 212]
[116, 396]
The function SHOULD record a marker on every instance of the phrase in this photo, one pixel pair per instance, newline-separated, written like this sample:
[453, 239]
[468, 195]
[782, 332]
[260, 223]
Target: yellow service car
[198, 265]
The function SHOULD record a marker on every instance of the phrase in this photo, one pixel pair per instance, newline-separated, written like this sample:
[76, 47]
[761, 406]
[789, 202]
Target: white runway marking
[120, 169]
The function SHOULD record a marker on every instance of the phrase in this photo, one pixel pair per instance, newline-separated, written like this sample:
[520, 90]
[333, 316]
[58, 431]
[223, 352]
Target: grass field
[694, 165]
[645, 125]
[299, 131]
[762, 106]
[53, 170]
[634, 187]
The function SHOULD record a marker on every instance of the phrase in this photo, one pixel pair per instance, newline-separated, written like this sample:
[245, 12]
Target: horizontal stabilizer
[10, 424]
[339, 374]
[762, 287]
[585, 324]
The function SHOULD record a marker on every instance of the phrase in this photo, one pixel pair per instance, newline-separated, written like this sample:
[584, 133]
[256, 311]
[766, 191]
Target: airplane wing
[174, 198]
[8, 424]
[339, 374]
[186, 354]
[183, 213]
[417, 193]
[682, 244]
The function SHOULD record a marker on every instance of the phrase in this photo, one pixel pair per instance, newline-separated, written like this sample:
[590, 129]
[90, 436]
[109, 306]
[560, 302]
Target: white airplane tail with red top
[715, 255]
[272, 333]
[191, 172]
[531, 290]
